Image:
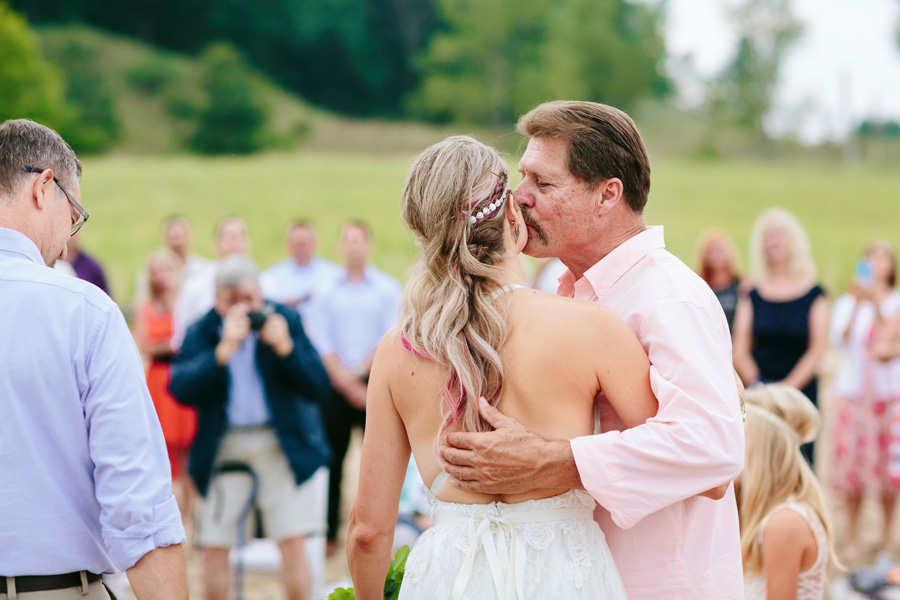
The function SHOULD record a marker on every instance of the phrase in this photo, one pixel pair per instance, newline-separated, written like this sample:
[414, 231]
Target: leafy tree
[29, 86]
[94, 125]
[351, 55]
[233, 116]
[499, 58]
[471, 71]
[743, 94]
[607, 51]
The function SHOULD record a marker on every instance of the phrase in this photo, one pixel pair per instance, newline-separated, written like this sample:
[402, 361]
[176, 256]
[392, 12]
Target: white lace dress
[549, 549]
[811, 583]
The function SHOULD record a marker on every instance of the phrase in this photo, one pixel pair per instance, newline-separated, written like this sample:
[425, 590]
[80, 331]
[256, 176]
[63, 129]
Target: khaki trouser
[95, 591]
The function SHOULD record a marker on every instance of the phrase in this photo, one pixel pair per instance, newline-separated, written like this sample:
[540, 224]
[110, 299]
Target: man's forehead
[545, 156]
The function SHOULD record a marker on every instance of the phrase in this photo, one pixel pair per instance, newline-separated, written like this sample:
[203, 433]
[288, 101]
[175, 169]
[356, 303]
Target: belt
[40, 583]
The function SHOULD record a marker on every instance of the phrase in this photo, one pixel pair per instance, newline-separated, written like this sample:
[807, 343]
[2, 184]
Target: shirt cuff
[127, 547]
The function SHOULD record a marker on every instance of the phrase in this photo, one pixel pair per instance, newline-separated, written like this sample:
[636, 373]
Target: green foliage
[154, 74]
[355, 56]
[89, 93]
[232, 118]
[879, 129]
[30, 87]
[743, 94]
[395, 574]
[499, 58]
[391, 583]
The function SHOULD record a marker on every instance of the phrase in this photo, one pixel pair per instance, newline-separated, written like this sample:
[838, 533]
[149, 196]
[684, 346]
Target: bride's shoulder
[579, 316]
[395, 350]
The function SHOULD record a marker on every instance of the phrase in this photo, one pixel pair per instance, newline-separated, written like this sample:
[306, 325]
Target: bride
[469, 329]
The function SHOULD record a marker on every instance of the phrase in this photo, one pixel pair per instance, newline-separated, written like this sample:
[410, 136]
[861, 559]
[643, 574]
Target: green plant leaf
[396, 570]
[342, 594]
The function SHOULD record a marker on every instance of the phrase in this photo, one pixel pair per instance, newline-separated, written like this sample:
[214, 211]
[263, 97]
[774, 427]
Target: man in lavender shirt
[665, 501]
[87, 486]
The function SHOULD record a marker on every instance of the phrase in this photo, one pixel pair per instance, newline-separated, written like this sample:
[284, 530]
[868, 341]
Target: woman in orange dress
[154, 335]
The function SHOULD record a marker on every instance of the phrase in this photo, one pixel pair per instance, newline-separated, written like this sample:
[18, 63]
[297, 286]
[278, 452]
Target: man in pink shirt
[585, 181]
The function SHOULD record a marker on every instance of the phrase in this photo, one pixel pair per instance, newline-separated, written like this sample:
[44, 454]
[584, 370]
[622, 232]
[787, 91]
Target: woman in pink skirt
[864, 389]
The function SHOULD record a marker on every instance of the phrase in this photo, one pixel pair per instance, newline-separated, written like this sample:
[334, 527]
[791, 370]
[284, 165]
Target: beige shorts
[288, 510]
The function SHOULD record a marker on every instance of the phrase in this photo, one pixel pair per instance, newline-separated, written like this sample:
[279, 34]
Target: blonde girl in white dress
[786, 535]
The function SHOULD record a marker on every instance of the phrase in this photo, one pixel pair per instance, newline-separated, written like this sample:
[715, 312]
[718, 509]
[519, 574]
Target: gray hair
[26, 143]
[234, 271]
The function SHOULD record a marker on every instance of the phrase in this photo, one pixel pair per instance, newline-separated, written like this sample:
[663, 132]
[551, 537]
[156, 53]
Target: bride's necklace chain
[506, 288]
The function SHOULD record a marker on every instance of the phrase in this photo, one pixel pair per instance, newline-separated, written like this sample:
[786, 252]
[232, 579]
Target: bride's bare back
[558, 355]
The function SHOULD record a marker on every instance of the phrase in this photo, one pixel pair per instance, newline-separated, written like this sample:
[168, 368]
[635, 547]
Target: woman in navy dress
[781, 326]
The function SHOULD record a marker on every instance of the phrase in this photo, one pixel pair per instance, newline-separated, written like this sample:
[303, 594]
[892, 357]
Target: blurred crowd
[211, 330]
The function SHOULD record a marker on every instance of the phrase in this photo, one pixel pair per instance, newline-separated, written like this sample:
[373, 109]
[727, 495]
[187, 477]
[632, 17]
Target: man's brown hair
[603, 143]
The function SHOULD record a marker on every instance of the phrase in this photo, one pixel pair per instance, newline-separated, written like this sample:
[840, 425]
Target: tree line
[478, 61]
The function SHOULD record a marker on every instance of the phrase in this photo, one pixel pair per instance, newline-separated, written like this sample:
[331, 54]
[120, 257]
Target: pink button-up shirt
[668, 543]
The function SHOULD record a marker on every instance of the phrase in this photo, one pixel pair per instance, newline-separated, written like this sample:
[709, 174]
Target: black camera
[257, 319]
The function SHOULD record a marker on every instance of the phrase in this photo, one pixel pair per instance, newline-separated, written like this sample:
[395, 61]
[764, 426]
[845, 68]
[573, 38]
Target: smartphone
[863, 272]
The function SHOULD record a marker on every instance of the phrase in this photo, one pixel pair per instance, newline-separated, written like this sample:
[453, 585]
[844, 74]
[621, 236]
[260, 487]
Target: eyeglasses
[82, 214]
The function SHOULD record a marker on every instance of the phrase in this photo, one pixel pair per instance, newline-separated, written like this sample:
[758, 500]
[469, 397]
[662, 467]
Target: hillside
[151, 87]
[152, 90]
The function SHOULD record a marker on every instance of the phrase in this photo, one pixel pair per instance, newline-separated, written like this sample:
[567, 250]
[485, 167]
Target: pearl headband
[494, 202]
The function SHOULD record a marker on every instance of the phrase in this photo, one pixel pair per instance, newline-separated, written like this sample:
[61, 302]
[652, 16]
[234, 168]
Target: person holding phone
[864, 389]
[257, 383]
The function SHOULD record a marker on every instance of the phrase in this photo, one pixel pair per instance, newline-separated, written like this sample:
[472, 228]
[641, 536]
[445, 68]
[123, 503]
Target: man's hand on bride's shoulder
[509, 460]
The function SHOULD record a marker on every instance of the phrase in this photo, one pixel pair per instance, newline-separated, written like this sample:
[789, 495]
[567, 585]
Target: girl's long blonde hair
[779, 419]
[447, 313]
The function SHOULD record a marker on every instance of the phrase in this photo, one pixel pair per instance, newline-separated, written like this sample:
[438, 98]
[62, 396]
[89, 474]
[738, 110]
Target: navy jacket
[294, 386]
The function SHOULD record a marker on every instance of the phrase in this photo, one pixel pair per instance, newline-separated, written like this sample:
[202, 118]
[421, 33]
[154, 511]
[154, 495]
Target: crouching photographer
[256, 381]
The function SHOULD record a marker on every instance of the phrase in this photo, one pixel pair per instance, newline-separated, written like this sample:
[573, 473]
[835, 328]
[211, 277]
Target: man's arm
[511, 459]
[132, 480]
[345, 381]
[300, 365]
[160, 575]
[694, 445]
[196, 370]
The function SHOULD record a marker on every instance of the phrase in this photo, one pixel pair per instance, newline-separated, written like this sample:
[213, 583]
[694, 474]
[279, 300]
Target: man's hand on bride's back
[509, 460]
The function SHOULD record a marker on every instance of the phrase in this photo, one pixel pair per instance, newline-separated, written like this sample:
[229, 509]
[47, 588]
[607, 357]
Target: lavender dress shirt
[86, 480]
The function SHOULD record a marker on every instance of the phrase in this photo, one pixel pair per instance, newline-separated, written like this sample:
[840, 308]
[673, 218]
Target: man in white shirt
[296, 280]
[351, 316]
[198, 293]
[177, 238]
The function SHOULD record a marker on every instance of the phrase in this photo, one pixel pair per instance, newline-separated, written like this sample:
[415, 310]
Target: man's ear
[608, 194]
[38, 189]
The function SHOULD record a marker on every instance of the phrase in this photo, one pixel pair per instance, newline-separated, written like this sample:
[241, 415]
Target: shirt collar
[609, 269]
[15, 242]
[366, 278]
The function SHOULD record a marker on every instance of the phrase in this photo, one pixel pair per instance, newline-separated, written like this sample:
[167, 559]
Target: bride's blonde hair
[447, 312]
[779, 419]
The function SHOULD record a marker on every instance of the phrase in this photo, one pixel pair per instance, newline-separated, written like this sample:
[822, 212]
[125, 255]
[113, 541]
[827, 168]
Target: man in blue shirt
[256, 382]
[349, 318]
[299, 278]
[82, 456]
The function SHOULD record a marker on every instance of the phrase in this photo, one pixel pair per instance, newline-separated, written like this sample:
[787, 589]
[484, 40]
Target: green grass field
[129, 196]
